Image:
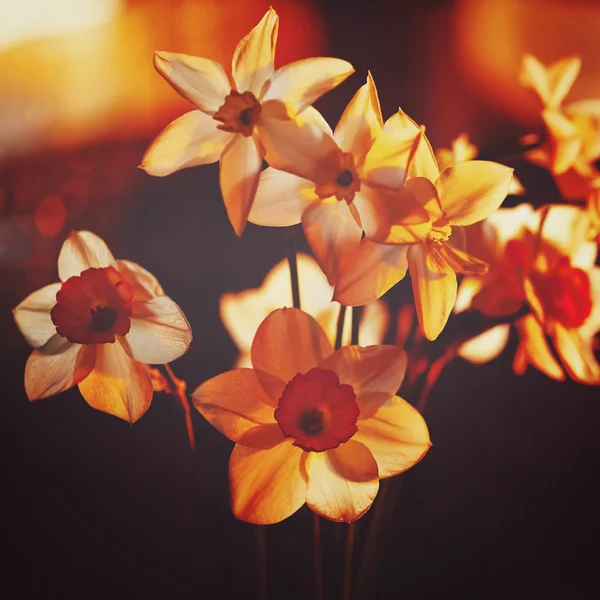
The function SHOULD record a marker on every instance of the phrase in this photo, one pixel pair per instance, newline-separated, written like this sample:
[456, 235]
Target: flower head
[99, 329]
[312, 425]
[235, 113]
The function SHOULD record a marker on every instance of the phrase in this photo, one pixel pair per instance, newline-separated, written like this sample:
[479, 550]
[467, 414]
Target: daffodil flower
[312, 425]
[573, 141]
[327, 181]
[233, 112]
[461, 195]
[244, 311]
[545, 261]
[99, 329]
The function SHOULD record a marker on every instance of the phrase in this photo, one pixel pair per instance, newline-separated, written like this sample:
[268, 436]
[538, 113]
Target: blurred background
[506, 502]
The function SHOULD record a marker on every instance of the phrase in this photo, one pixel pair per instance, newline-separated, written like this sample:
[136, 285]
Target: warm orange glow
[50, 216]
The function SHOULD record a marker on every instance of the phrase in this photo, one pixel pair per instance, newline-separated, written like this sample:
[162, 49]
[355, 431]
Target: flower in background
[461, 150]
[541, 259]
[325, 181]
[461, 195]
[573, 131]
[99, 329]
[233, 114]
[244, 311]
[312, 425]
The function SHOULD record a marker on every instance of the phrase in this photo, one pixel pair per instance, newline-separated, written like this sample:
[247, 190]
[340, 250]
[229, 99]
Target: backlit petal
[159, 331]
[289, 342]
[332, 233]
[280, 199]
[576, 355]
[192, 139]
[434, 288]
[143, 284]
[118, 385]
[58, 366]
[33, 315]
[460, 261]
[199, 80]
[83, 250]
[566, 144]
[370, 273]
[473, 190]
[486, 346]
[234, 402]
[267, 486]
[241, 164]
[252, 63]
[396, 435]
[374, 323]
[342, 483]
[300, 83]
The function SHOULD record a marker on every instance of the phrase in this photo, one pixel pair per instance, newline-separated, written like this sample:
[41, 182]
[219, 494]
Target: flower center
[345, 178]
[317, 410]
[343, 185]
[239, 113]
[93, 307]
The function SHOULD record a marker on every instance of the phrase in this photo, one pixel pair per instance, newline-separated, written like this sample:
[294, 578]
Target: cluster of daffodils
[315, 417]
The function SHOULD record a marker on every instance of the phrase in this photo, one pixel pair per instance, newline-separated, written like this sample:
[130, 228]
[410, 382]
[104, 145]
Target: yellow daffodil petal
[118, 384]
[361, 122]
[370, 272]
[566, 144]
[342, 483]
[234, 402]
[289, 342]
[298, 146]
[373, 325]
[534, 349]
[392, 216]
[486, 346]
[252, 62]
[192, 139]
[332, 233]
[159, 332]
[83, 250]
[516, 187]
[552, 84]
[56, 367]
[426, 194]
[201, 81]
[300, 83]
[434, 288]
[576, 355]
[369, 370]
[396, 435]
[33, 315]
[311, 115]
[241, 164]
[280, 199]
[143, 284]
[460, 261]
[473, 190]
[267, 486]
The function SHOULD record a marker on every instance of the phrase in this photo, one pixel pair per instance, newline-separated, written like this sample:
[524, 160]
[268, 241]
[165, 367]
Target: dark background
[505, 504]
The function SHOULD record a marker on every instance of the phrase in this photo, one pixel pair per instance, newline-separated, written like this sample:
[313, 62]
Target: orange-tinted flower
[573, 131]
[546, 262]
[99, 329]
[461, 195]
[243, 312]
[235, 113]
[312, 425]
[328, 181]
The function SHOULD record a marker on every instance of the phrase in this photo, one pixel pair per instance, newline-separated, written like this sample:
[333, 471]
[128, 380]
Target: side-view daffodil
[461, 195]
[312, 425]
[99, 329]
[232, 113]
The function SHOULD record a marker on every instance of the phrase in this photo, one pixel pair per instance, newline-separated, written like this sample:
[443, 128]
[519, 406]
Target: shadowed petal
[33, 315]
[143, 284]
[83, 250]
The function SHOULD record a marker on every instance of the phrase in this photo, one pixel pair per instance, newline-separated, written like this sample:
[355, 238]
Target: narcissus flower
[243, 312]
[327, 181]
[312, 425]
[573, 131]
[461, 195]
[233, 113]
[545, 262]
[99, 329]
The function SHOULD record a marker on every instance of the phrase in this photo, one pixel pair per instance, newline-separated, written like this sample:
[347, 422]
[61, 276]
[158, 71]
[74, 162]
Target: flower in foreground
[542, 260]
[312, 425]
[327, 181]
[99, 329]
[461, 195]
[234, 113]
[243, 312]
